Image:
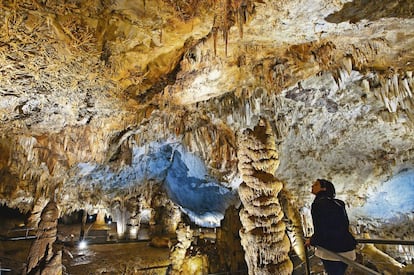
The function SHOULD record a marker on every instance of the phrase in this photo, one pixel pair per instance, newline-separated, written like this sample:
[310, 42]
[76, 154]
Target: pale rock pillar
[135, 222]
[100, 217]
[263, 236]
[120, 217]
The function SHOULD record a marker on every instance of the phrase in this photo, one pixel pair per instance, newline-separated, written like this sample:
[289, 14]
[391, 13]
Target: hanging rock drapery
[263, 234]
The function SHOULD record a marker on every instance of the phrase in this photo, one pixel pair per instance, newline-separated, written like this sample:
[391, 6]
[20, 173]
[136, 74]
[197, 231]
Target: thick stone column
[263, 236]
[43, 259]
[120, 217]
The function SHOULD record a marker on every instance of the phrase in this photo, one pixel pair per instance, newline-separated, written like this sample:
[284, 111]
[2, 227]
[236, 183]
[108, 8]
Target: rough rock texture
[263, 235]
[85, 85]
[179, 251]
[294, 224]
[43, 257]
[383, 261]
[229, 249]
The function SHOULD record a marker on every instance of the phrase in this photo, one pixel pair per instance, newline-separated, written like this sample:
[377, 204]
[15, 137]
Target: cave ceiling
[93, 91]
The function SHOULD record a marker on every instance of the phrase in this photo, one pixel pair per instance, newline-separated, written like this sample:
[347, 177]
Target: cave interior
[183, 137]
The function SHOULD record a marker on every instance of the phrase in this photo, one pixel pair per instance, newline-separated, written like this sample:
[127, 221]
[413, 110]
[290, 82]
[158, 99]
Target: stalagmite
[294, 225]
[177, 256]
[83, 224]
[43, 258]
[229, 249]
[263, 236]
[386, 264]
[100, 217]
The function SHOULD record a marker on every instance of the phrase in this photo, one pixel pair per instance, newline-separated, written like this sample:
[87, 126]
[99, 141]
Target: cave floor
[100, 257]
[126, 257]
[122, 258]
[118, 258]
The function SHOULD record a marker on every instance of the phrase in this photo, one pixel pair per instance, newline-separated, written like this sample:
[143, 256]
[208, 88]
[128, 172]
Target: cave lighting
[133, 232]
[120, 229]
[145, 215]
[83, 244]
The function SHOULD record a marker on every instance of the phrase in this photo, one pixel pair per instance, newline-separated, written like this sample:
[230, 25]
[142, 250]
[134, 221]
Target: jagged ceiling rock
[90, 83]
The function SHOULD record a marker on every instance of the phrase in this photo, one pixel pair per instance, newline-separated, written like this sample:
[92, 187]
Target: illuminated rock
[88, 87]
[266, 245]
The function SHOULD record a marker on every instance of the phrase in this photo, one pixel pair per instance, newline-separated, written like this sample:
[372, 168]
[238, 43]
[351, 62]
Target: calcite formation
[294, 224]
[384, 262]
[87, 87]
[263, 233]
[179, 251]
[230, 251]
[44, 257]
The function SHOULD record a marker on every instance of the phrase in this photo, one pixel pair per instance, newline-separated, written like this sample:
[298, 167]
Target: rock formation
[294, 224]
[229, 249]
[43, 257]
[383, 262]
[101, 99]
[263, 233]
[179, 251]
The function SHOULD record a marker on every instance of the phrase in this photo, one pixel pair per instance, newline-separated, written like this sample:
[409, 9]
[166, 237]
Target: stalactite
[365, 85]
[347, 64]
[215, 41]
[227, 14]
[263, 234]
[396, 92]
[241, 18]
